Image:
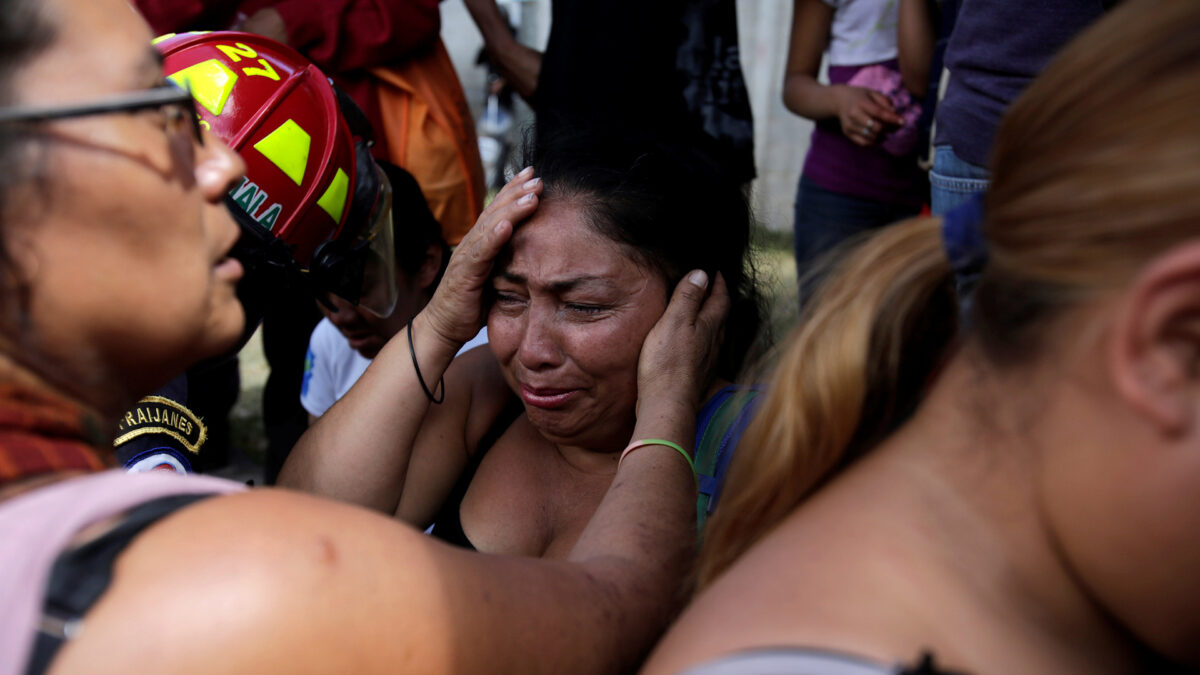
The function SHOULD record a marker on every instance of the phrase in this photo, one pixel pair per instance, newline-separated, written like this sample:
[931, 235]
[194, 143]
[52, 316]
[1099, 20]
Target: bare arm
[862, 112]
[359, 451]
[435, 468]
[517, 63]
[802, 93]
[280, 582]
[916, 26]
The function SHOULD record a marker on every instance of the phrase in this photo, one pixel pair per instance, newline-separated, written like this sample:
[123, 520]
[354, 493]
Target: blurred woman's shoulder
[209, 575]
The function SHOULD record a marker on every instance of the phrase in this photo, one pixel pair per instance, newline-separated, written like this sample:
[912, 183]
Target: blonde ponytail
[1095, 172]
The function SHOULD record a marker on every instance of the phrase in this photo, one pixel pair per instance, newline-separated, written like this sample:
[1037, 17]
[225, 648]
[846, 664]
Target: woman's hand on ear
[456, 311]
[680, 352]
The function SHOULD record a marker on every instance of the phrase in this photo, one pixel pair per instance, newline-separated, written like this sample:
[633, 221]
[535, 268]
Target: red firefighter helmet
[308, 182]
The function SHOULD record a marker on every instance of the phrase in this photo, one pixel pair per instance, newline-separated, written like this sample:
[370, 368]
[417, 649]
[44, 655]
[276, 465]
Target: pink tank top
[36, 526]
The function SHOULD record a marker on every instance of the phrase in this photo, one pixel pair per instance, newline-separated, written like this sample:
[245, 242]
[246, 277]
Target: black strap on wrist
[412, 351]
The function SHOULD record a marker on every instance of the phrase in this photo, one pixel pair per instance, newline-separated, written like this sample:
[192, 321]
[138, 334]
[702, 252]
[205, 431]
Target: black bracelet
[413, 352]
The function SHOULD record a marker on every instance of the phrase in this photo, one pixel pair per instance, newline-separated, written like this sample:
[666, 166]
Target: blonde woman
[1011, 493]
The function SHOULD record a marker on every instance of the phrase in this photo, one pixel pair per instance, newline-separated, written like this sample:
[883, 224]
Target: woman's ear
[431, 264]
[1154, 354]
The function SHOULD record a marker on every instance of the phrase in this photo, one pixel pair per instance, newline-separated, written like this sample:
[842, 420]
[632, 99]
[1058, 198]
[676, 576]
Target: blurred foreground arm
[279, 582]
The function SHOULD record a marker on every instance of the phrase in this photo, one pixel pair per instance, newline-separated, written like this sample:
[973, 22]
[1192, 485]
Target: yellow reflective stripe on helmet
[210, 82]
[287, 147]
[334, 199]
[160, 38]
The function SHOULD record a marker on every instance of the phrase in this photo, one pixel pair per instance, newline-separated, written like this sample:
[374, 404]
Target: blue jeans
[826, 219]
[952, 180]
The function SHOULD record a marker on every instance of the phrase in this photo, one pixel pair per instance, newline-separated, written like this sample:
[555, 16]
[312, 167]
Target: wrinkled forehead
[591, 209]
[99, 47]
[560, 241]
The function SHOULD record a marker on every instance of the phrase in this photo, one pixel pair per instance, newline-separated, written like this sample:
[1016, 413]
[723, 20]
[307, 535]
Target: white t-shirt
[332, 366]
[863, 31]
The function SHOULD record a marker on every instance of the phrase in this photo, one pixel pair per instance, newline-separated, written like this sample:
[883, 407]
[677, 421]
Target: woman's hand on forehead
[456, 311]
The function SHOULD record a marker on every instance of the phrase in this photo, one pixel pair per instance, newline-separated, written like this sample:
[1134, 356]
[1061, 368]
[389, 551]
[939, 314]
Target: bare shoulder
[749, 606]
[478, 373]
[219, 577]
[272, 581]
[806, 584]
[476, 369]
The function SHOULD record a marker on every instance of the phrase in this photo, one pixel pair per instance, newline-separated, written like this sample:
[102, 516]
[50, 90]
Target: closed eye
[506, 299]
[585, 308]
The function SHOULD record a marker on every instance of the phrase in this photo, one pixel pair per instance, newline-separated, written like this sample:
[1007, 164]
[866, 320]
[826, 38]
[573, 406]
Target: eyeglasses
[170, 96]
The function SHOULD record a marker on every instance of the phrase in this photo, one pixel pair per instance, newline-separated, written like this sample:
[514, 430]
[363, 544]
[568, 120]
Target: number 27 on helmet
[314, 208]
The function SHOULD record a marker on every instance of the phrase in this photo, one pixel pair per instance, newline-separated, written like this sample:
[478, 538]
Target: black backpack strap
[82, 574]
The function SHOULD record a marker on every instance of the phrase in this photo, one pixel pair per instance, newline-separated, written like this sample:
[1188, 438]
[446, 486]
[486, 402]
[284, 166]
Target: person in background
[922, 27]
[115, 241]
[298, 236]
[861, 170]
[345, 38]
[344, 342]
[1013, 489]
[670, 68]
[997, 47]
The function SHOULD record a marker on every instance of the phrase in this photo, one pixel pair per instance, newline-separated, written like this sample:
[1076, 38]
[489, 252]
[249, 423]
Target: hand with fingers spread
[456, 310]
[677, 359]
[864, 113]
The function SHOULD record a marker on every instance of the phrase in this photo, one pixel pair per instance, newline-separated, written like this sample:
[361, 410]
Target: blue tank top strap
[719, 427]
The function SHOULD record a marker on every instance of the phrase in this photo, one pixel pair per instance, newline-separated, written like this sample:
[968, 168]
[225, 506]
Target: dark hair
[669, 204]
[24, 33]
[413, 223]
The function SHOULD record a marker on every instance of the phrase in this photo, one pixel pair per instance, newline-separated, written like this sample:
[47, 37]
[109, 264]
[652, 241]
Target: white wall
[781, 138]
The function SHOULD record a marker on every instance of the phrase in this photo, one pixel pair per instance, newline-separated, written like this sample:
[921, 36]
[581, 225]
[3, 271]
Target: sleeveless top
[719, 427]
[38, 526]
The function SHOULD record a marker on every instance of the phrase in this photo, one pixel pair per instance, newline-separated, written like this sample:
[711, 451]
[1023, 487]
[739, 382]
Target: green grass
[776, 265]
[246, 430]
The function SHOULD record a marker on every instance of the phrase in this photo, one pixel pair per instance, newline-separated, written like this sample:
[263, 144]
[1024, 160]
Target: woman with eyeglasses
[115, 275]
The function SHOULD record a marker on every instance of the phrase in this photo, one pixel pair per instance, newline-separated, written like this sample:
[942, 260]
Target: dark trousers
[825, 220]
[287, 324]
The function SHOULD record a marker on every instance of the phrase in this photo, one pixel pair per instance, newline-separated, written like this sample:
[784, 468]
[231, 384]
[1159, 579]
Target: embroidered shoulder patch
[158, 415]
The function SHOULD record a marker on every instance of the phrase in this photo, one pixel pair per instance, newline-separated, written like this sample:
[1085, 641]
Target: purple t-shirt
[995, 51]
[835, 163]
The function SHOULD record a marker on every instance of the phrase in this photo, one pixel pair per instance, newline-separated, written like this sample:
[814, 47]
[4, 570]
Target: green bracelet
[658, 441]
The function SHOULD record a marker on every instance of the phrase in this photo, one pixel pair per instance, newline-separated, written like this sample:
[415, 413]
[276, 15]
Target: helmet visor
[376, 245]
